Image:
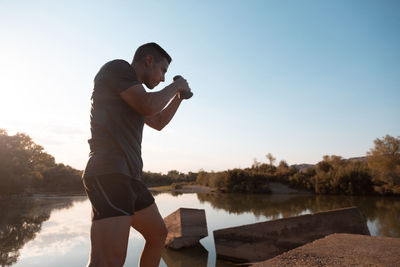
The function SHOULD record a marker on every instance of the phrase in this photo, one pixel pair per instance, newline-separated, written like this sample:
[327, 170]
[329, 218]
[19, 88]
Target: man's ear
[148, 60]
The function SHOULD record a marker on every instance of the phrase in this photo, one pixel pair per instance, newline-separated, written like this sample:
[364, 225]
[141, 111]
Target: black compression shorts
[116, 195]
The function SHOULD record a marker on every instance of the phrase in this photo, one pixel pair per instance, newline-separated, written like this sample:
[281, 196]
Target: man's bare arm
[151, 103]
[160, 120]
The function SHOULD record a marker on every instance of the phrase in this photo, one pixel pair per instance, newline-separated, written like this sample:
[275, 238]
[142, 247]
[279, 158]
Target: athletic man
[112, 177]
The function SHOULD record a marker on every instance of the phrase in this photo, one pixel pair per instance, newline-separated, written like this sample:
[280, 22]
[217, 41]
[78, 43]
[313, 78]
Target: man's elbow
[161, 124]
[157, 123]
[160, 127]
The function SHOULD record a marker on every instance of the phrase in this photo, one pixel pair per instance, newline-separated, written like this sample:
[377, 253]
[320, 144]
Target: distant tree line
[173, 176]
[26, 167]
[249, 180]
[377, 173]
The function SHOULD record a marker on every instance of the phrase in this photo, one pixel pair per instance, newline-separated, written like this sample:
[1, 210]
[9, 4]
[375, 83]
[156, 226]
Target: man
[112, 177]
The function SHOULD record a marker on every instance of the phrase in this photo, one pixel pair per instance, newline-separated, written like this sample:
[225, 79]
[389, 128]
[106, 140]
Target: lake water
[54, 231]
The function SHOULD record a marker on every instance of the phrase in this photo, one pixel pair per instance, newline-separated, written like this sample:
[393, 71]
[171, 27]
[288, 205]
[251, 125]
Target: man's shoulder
[117, 65]
[115, 69]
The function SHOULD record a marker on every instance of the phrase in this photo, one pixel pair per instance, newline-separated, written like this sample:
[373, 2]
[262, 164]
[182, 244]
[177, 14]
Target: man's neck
[138, 68]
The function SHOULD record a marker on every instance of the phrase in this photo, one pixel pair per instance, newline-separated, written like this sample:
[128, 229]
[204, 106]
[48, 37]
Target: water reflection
[21, 220]
[383, 212]
[59, 235]
[195, 256]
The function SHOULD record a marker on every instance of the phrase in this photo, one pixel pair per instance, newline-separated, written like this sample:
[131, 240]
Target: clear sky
[298, 79]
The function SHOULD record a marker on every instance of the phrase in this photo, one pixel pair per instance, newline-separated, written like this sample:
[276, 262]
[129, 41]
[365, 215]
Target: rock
[262, 241]
[185, 228]
[341, 250]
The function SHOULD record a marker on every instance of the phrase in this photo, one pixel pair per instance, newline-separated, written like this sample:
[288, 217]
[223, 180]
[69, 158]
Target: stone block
[185, 228]
[260, 241]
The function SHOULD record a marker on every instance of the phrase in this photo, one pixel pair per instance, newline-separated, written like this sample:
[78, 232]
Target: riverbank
[275, 188]
[183, 188]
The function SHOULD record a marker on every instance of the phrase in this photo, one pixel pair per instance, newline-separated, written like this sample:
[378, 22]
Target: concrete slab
[265, 240]
[341, 250]
[185, 228]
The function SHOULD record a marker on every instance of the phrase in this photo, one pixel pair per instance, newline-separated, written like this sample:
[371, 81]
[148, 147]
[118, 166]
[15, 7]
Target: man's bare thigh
[112, 231]
[148, 221]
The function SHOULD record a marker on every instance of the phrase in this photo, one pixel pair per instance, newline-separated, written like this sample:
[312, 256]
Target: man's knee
[164, 231]
[115, 261]
[159, 234]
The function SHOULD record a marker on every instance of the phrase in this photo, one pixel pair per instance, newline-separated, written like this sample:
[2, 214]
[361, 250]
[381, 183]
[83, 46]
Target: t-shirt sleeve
[121, 76]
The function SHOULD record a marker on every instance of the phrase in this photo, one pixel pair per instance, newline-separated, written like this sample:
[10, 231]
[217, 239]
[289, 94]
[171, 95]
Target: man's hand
[184, 91]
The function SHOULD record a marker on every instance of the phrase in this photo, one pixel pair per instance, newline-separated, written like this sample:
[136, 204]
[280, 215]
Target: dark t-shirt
[116, 128]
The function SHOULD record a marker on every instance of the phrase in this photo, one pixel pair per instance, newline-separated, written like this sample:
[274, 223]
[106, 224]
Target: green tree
[256, 164]
[24, 165]
[384, 162]
[202, 178]
[270, 158]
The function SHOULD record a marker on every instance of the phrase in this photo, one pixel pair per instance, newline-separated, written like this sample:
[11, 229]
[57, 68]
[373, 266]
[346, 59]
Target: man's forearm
[168, 113]
[158, 100]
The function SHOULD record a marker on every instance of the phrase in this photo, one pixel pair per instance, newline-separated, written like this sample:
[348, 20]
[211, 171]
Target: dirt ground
[341, 250]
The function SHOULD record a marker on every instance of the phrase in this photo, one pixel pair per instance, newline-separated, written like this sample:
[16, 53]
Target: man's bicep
[136, 97]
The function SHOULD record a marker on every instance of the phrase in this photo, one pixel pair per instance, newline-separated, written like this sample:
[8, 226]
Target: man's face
[156, 72]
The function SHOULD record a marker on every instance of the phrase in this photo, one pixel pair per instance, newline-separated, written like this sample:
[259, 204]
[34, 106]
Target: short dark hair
[151, 49]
